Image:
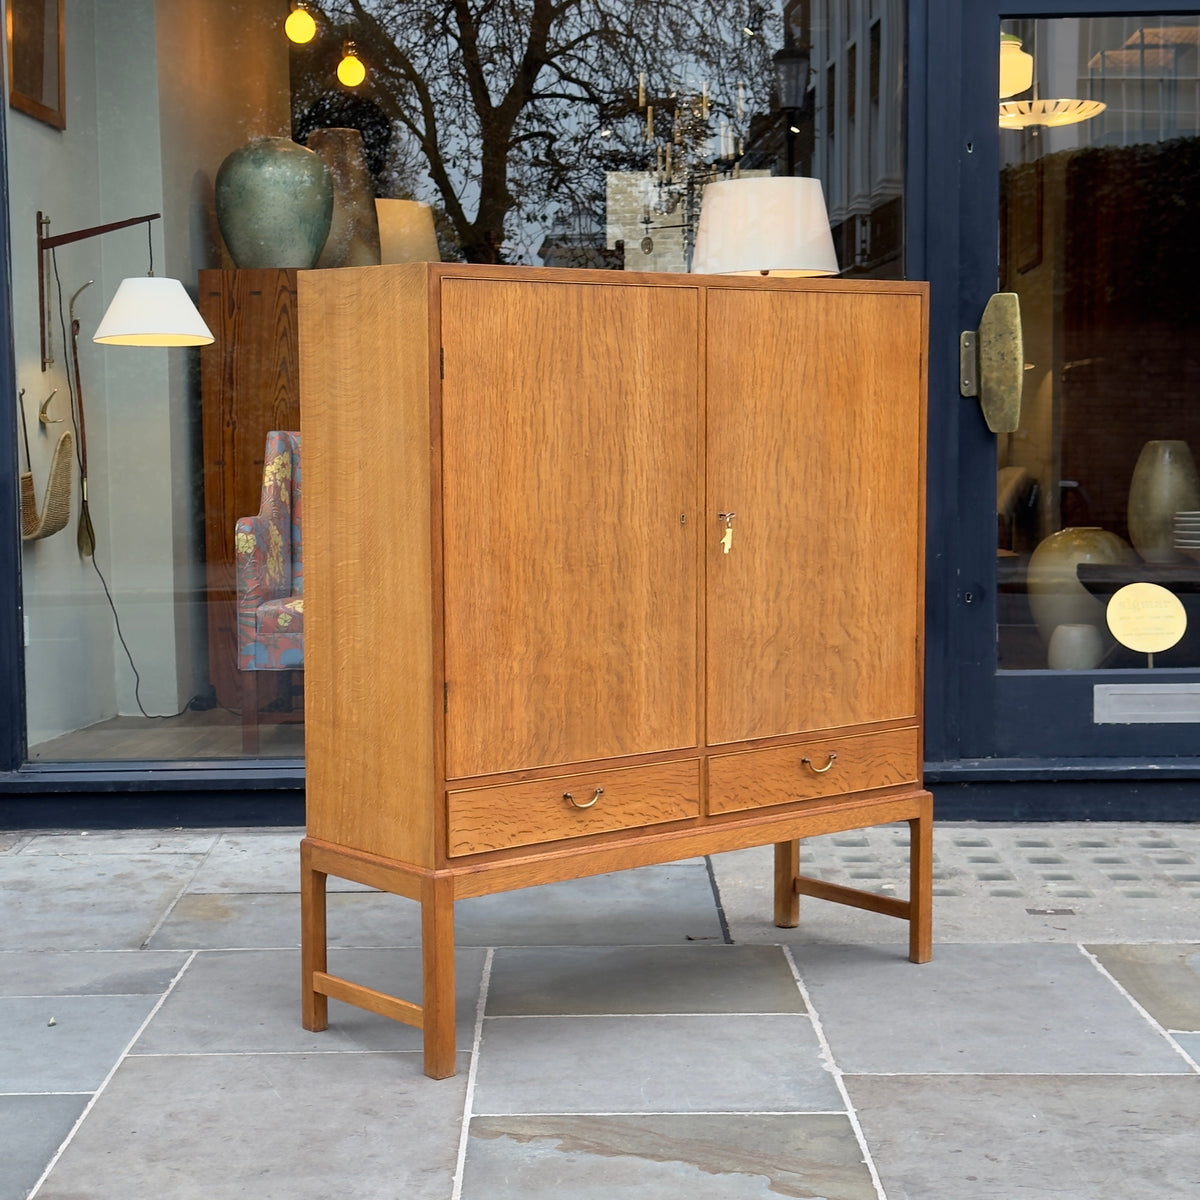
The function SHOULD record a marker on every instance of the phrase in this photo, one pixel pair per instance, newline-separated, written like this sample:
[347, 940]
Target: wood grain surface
[525, 814]
[571, 474]
[804, 770]
[814, 441]
[370, 694]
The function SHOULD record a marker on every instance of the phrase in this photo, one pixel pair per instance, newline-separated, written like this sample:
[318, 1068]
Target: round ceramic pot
[1055, 594]
[1075, 648]
[274, 202]
[1164, 482]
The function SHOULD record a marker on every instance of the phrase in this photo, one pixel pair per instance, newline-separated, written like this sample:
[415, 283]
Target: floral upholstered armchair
[268, 549]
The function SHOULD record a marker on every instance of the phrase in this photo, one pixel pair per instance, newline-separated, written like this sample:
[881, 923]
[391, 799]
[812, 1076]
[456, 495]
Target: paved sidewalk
[646, 1034]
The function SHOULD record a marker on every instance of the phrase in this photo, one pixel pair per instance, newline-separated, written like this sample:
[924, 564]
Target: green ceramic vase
[274, 202]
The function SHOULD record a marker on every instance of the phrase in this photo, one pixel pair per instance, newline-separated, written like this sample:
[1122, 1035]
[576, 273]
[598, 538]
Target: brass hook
[42, 414]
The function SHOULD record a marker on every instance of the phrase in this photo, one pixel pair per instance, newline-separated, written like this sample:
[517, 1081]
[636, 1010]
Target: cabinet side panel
[815, 441]
[365, 424]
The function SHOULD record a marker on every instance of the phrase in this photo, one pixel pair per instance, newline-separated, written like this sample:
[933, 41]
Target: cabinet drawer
[527, 814]
[756, 778]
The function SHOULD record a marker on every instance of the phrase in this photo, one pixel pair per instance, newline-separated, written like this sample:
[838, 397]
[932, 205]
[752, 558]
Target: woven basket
[56, 504]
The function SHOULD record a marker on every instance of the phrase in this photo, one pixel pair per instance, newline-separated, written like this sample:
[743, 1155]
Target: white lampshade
[764, 225]
[406, 232]
[149, 311]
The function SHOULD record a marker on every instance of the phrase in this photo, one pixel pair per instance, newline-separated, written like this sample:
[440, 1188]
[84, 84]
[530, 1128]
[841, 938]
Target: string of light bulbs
[301, 27]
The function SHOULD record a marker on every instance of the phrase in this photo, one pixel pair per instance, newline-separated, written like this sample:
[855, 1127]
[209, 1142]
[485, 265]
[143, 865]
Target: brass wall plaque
[1146, 617]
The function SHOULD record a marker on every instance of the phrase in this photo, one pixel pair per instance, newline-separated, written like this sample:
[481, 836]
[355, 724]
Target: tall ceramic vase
[1164, 482]
[274, 202]
[354, 233]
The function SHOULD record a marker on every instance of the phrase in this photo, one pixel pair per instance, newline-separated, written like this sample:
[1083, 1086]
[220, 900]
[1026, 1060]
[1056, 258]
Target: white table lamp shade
[772, 224]
[406, 232]
[152, 311]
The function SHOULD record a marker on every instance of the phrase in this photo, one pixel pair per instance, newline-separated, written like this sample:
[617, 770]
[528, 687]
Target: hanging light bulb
[350, 70]
[300, 26]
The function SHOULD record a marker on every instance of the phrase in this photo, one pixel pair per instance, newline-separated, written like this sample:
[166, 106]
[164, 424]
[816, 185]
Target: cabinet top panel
[437, 271]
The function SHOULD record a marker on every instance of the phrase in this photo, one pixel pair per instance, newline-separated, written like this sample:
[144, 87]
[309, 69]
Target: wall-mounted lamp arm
[45, 243]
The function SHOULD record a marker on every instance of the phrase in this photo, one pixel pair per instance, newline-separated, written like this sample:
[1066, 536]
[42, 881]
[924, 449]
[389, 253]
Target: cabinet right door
[815, 435]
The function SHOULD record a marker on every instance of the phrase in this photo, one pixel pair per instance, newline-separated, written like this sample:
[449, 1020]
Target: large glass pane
[1097, 489]
[578, 134]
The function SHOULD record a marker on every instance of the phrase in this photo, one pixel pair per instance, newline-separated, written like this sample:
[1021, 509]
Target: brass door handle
[575, 803]
[808, 762]
[991, 363]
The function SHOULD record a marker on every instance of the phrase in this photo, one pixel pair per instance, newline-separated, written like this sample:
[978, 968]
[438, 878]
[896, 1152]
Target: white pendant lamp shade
[767, 225]
[406, 232]
[1016, 66]
[149, 311]
[1020, 114]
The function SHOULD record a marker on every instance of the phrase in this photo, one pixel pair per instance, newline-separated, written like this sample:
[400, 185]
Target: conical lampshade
[765, 225]
[149, 311]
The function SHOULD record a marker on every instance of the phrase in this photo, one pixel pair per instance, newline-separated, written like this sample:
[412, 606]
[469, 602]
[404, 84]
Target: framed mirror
[35, 60]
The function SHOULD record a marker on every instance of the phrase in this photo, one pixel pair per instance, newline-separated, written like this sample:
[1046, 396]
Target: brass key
[727, 536]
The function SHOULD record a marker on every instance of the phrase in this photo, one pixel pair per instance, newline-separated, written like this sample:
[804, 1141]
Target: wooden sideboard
[603, 570]
[249, 385]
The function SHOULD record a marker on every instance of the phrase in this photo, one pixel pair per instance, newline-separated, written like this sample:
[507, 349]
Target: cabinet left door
[571, 451]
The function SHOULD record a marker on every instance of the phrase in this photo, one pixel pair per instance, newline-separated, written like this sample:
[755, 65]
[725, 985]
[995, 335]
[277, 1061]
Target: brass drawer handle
[820, 770]
[571, 799]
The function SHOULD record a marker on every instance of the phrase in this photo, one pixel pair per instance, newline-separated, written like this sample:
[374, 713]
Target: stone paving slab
[987, 1137]
[641, 979]
[31, 1129]
[699, 1157]
[88, 972]
[271, 1126]
[251, 862]
[123, 842]
[88, 901]
[248, 1001]
[65, 1043]
[629, 1064]
[1020, 1009]
[1164, 980]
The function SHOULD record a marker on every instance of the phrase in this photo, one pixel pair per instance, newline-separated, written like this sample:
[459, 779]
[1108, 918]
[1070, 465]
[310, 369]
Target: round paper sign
[1146, 617]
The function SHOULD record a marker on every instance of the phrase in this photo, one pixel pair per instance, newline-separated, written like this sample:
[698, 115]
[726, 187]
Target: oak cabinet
[601, 571]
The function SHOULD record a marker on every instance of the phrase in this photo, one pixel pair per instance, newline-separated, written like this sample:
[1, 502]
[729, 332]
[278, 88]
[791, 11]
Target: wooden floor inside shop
[215, 733]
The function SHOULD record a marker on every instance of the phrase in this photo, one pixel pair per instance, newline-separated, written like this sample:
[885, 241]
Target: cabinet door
[570, 426]
[815, 443]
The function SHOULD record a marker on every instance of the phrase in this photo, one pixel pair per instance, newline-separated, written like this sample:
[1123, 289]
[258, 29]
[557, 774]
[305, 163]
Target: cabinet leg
[315, 1006]
[787, 867]
[437, 959]
[920, 884]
